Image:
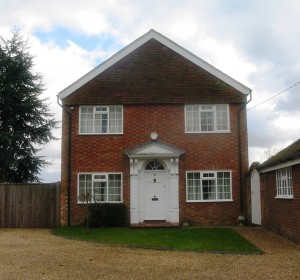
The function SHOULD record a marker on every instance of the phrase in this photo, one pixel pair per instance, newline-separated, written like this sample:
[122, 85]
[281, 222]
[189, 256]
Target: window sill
[209, 201]
[284, 197]
[207, 132]
[101, 202]
[108, 134]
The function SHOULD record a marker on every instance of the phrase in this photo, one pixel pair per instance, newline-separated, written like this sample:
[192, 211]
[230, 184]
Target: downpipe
[241, 217]
[69, 162]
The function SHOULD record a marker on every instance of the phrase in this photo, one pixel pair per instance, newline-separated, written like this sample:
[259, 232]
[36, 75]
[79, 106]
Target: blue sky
[255, 42]
[60, 36]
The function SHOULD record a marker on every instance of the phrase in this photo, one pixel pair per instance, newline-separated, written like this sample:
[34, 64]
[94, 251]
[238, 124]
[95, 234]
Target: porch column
[134, 193]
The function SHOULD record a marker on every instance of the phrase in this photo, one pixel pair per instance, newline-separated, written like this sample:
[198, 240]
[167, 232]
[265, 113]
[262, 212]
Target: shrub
[108, 215]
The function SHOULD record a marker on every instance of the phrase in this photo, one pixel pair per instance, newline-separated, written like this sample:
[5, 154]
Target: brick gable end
[153, 73]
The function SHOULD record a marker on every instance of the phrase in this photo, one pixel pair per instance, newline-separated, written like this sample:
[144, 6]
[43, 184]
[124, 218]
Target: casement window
[284, 183]
[208, 186]
[101, 120]
[206, 118]
[99, 187]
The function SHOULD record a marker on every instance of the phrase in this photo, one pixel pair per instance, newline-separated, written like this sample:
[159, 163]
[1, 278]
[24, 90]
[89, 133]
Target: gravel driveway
[37, 254]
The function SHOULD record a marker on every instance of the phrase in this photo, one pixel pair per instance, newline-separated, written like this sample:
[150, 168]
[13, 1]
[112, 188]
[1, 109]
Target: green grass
[186, 239]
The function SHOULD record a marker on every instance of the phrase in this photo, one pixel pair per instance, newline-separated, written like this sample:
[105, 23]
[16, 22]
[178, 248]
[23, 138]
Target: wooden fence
[29, 205]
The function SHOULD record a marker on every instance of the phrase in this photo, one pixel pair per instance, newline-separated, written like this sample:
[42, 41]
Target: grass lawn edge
[149, 247]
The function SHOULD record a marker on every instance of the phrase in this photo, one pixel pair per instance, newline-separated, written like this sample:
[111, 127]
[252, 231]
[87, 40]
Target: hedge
[108, 215]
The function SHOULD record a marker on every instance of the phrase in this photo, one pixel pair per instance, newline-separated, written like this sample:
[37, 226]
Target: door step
[155, 221]
[154, 224]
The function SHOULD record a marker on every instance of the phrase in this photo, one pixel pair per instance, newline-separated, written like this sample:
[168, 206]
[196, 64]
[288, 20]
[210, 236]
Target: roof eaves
[290, 153]
[279, 165]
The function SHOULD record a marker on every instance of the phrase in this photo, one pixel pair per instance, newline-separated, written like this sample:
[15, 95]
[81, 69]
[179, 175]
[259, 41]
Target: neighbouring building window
[101, 120]
[100, 187]
[208, 186]
[284, 183]
[206, 118]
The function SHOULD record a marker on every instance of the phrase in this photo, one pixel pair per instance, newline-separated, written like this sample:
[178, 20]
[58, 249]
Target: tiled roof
[153, 73]
[133, 47]
[292, 152]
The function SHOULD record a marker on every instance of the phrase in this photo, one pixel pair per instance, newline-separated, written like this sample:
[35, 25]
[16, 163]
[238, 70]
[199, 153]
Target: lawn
[185, 239]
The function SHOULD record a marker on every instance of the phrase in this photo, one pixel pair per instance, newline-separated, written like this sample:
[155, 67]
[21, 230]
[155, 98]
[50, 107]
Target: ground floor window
[208, 186]
[99, 187]
[284, 183]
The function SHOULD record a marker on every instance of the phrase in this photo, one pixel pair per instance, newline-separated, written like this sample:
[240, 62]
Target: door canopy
[154, 150]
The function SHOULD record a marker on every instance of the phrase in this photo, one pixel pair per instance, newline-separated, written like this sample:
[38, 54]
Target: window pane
[192, 118]
[208, 175]
[207, 107]
[194, 186]
[209, 189]
[221, 117]
[207, 121]
[100, 177]
[224, 185]
[115, 120]
[86, 120]
[101, 123]
[154, 165]
[114, 187]
[100, 191]
[84, 187]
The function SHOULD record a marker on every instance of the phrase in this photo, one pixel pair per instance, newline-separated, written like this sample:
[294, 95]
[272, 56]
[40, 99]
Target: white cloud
[226, 58]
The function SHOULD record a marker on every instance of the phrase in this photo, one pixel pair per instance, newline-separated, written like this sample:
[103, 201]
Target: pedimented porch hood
[154, 149]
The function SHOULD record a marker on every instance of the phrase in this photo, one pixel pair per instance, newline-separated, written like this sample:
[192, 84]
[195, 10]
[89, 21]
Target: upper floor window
[101, 120]
[284, 183]
[207, 118]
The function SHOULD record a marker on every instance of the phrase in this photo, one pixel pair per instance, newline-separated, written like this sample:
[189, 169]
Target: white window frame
[104, 177]
[98, 110]
[201, 108]
[204, 176]
[284, 183]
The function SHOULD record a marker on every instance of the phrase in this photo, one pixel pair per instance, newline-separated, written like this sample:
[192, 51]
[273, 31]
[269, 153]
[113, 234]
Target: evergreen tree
[25, 121]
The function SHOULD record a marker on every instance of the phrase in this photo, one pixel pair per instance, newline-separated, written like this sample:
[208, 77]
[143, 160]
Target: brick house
[279, 179]
[159, 129]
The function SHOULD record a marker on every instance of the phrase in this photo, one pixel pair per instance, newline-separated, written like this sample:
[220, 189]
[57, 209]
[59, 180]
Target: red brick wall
[203, 151]
[281, 215]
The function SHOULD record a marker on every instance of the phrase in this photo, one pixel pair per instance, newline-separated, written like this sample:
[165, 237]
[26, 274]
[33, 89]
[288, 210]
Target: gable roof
[152, 34]
[290, 153]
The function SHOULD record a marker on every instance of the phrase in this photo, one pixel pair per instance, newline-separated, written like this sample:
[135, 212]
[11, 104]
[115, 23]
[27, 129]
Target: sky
[255, 42]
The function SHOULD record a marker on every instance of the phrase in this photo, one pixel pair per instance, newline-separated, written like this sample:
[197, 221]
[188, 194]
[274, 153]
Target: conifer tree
[25, 120]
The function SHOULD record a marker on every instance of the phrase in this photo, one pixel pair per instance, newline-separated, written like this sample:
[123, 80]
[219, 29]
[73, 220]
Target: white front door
[255, 198]
[155, 200]
[154, 190]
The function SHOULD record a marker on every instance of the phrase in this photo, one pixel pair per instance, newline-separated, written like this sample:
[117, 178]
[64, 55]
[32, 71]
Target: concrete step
[154, 224]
